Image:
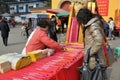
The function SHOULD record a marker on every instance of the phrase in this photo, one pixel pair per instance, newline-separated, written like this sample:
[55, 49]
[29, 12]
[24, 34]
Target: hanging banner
[103, 7]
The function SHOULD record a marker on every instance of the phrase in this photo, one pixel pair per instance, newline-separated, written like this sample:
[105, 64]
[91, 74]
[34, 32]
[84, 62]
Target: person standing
[106, 28]
[111, 28]
[93, 35]
[4, 31]
[52, 28]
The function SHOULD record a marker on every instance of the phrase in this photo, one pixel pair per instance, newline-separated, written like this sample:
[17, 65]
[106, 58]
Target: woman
[93, 35]
[39, 39]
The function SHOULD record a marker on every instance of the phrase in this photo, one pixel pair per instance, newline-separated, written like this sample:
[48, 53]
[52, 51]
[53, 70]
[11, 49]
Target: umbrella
[63, 14]
[92, 74]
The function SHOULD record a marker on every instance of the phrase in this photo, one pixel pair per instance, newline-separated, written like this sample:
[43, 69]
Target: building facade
[3, 8]
[24, 6]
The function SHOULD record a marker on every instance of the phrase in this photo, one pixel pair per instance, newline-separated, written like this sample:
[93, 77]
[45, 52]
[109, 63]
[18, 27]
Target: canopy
[63, 14]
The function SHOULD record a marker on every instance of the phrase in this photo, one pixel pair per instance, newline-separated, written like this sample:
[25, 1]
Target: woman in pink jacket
[39, 39]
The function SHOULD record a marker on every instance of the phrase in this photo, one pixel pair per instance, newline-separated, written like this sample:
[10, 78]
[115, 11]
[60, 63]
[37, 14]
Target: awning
[63, 14]
[56, 11]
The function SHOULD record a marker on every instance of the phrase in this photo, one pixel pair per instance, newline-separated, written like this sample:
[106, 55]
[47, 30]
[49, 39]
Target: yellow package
[36, 55]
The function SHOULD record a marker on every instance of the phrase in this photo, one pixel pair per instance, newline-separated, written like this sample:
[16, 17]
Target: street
[16, 43]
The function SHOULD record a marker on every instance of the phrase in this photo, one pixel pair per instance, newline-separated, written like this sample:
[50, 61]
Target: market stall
[60, 66]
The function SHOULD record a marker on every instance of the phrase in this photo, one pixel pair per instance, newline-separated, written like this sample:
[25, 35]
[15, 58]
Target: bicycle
[26, 31]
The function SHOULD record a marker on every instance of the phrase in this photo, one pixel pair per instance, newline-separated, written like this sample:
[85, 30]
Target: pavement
[16, 43]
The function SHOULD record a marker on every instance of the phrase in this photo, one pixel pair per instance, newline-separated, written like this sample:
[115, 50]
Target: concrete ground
[17, 42]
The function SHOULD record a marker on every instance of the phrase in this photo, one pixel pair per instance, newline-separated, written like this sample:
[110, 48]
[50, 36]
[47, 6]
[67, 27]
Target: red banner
[103, 7]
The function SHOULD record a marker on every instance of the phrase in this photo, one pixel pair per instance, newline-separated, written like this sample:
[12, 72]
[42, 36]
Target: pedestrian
[13, 22]
[106, 28]
[93, 35]
[59, 25]
[4, 31]
[39, 39]
[111, 26]
[28, 27]
[52, 28]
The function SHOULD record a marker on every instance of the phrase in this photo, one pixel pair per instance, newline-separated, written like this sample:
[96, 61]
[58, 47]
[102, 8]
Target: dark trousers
[5, 40]
[27, 34]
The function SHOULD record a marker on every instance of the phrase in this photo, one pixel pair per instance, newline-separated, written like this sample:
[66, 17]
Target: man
[39, 39]
[111, 28]
[4, 31]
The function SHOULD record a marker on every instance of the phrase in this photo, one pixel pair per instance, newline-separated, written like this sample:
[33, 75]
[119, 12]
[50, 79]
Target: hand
[50, 51]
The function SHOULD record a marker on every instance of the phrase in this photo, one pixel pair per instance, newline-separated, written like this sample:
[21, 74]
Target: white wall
[24, 6]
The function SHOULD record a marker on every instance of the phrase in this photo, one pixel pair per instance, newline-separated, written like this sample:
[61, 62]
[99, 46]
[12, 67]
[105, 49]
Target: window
[20, 8]
[12, 8]
[30, 6]
[37, 5]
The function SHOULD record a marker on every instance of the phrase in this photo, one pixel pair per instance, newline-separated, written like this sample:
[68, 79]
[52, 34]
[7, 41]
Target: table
[60, 66]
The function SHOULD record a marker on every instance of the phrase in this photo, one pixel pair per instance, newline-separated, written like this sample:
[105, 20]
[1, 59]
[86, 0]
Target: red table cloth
[60, 66]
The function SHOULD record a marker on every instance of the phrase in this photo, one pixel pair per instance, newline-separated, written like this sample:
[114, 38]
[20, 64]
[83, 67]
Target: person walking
[4, 31]
[111, 28]
[93, 35]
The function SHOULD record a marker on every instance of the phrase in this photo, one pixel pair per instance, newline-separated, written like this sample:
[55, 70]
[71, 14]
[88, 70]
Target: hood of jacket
[91, 21]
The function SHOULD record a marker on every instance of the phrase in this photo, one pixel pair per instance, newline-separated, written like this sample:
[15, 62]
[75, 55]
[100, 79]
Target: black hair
[43, 23]
[53, 16]
[84, 15]
[111, 18]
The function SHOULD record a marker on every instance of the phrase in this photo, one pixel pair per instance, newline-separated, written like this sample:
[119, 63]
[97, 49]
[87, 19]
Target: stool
[117, 50]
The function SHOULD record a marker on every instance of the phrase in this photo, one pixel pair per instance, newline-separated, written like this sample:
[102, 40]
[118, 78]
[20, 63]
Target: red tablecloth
[60, 66]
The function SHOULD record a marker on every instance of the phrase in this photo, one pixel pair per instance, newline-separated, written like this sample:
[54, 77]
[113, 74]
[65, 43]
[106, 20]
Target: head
[110, 18]
[43, 23]
[5, 19]
[84, 15]
[53, 18]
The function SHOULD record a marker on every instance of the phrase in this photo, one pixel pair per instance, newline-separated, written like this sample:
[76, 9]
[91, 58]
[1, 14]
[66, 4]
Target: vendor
[39, 39]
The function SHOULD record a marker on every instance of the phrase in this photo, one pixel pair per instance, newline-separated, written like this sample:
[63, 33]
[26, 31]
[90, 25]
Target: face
[46, 29]
[53, 19]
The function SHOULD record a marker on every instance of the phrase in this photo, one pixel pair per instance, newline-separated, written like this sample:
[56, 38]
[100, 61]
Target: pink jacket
[39, 40]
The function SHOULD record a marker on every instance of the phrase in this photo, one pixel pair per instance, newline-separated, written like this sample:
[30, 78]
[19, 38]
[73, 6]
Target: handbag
[92, 74]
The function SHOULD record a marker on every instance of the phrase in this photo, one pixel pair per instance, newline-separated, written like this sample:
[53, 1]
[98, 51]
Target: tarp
[35, 15]
[63, 14]
[6, 15]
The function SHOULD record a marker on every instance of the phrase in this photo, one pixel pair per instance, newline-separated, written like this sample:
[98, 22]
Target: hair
[111, 18]
[43, 23]
[53, 16]
[84, 15]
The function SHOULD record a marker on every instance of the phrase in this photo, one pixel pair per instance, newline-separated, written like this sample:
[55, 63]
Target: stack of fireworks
[39, 54]
[5, 66]
[16, 60]
[36, 55]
